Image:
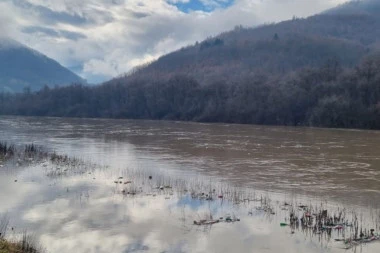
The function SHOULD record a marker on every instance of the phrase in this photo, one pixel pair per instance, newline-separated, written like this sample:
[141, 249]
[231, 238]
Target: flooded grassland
[143, 186]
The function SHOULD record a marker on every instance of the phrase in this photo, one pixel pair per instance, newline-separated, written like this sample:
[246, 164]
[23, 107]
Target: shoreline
[217, 123]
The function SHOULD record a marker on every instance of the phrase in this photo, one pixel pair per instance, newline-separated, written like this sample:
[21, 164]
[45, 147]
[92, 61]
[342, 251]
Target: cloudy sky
[100, 39]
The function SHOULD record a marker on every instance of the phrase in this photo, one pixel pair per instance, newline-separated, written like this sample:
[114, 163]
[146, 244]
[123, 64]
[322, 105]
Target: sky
[101, 39]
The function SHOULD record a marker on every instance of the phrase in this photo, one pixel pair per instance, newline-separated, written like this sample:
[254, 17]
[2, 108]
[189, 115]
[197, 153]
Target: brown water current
[87, 212]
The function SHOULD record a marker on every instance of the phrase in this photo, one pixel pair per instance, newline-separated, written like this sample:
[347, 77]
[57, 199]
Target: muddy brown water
[339, 166]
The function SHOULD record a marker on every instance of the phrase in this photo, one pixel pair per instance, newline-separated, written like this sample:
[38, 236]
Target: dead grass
[16, 247]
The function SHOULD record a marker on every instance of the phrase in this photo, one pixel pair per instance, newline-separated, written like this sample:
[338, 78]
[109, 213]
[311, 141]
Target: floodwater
[87, 212]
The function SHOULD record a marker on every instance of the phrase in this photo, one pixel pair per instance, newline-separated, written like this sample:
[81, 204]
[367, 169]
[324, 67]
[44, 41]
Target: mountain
[345, 34]
[368, 7]
[319, 71]
[22, 67]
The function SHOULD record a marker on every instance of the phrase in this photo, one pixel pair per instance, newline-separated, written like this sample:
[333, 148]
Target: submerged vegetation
[6, 151]
[26, 245]
[324, 221]
[23, 246]
[29, 153]
[332, 223]
[9, 151]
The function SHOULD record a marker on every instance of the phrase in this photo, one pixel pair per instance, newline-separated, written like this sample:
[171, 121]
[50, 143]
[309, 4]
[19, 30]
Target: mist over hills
[346, 34]
[319, 71]
[22, 67]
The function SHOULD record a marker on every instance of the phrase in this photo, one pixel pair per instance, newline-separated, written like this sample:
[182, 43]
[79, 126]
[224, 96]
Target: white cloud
[277, 10]
[113, 36]
[178, 1]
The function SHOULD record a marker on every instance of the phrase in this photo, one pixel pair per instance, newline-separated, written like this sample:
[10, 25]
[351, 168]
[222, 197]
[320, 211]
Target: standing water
[218, 173]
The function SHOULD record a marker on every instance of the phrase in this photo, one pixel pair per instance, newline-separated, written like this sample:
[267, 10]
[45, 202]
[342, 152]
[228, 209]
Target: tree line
[327, 96]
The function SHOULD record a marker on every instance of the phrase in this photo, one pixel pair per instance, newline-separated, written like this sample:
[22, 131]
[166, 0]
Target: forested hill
[22, 67]
[369, 7]
[319, 71]
[345, 34]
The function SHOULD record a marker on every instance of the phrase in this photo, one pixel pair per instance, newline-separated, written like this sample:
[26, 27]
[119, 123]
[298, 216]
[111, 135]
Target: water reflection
[88, 213]
[76, 213]
[342, 163]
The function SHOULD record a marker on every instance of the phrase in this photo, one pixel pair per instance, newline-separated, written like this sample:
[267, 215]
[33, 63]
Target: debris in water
[228, 218]
[205, 222]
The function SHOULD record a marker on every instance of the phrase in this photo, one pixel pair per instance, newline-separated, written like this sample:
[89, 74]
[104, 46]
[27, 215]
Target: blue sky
[199, 5]
[101, 39]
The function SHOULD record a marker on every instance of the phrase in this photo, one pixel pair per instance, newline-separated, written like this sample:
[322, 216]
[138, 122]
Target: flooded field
[257, 176]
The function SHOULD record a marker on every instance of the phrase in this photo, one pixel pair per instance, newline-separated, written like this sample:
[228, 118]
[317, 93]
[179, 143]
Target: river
[78, 214]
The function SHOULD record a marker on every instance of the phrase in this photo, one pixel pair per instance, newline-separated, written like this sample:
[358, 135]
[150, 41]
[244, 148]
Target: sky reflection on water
[87, 212]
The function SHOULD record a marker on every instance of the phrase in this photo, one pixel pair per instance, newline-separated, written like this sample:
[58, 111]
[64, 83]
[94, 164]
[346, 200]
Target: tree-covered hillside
[328, 96]
[319, 71]
[22, 67]
[338, 34]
